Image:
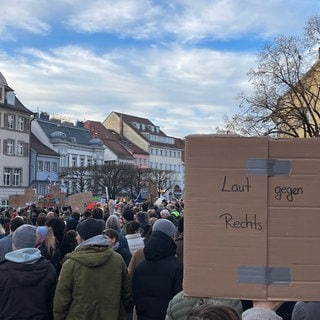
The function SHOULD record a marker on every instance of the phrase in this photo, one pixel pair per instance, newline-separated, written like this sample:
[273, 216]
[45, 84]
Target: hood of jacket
[93, 252]
[26, 274]
[159, 246]
[25, 255]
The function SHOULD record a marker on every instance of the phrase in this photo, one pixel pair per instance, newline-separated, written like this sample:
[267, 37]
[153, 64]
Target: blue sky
[179, 63]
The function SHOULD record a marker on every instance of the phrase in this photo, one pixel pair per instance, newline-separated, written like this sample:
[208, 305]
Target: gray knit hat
[165, 226]
[25, 236]
[89, 228]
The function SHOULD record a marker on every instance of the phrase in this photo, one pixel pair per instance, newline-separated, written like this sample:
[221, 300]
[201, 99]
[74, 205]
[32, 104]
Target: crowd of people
[124, 264]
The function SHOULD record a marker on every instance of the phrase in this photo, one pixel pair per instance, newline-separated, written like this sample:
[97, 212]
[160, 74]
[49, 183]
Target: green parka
[93, 284]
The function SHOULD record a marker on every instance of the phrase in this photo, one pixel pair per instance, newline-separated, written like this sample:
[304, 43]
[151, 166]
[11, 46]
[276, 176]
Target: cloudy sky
[179, 63]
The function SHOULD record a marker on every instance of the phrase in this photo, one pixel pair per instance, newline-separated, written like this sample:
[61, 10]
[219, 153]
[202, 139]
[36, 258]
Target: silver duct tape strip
[268, 167]
[263, 275]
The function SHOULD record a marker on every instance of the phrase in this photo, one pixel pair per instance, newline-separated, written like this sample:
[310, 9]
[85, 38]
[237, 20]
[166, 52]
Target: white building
[165, 152]
[14, 144]
[74, 144]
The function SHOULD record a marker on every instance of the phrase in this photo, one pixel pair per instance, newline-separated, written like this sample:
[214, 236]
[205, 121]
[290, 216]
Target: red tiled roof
[115, 142]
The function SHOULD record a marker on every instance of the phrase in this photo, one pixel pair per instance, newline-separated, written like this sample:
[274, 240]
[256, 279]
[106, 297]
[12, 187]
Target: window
[9, 147]
[81, 162]
[7, 176]
[1, 94]
[74, 161]
[10, 121]
[20, 149]
[21, 123]
[42, 188]
[12, 177]
[11, 98]
[16, 178]
[54, 167]
[47, 166]
[89, 162]
[40, 165]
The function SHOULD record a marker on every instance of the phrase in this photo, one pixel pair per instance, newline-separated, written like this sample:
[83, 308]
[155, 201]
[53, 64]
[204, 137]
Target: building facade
[77, 149]
[165, 152]
[14, 144]
[44, 166]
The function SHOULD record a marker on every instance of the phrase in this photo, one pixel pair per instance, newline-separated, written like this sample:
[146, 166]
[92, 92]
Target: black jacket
[27, 290]
[158, 278]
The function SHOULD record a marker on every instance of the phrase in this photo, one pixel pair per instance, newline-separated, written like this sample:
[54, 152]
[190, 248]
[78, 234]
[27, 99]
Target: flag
[139, 198]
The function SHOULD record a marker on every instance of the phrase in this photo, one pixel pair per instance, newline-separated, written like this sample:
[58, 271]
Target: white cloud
[180, 83]
[189, 20]
[175, 79]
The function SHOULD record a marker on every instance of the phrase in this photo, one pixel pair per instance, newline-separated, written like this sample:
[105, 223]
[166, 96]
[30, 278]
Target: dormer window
[11, 98]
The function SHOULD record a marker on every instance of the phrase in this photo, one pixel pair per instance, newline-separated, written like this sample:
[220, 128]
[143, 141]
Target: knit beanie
[128, 215]
[165, 226]
[25, 236]
[89, 228]
[43, 231]
[261, 314]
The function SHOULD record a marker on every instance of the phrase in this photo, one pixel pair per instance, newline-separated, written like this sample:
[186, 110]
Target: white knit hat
[260, 314]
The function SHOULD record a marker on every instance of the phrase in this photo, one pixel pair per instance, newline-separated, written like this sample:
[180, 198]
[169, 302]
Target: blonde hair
[50, 241]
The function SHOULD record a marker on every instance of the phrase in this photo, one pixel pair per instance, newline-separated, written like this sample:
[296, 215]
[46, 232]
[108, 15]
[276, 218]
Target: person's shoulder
[305, 310]
[4, 265]
[6, 239]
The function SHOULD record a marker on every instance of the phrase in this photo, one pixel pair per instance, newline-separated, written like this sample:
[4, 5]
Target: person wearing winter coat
[6, 242]
[158, 278]
[306, 311]
[94, 282]
[27, 280]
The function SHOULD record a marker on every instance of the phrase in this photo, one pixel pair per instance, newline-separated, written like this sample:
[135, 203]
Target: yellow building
[298, 112]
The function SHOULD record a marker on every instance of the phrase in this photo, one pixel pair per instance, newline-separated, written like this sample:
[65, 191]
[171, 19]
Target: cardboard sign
[21, 200]
[252, 218]
[79, 201]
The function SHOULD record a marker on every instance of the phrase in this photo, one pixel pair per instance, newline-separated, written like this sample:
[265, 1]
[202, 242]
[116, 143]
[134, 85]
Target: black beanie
[128, 215]
[89, 228]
